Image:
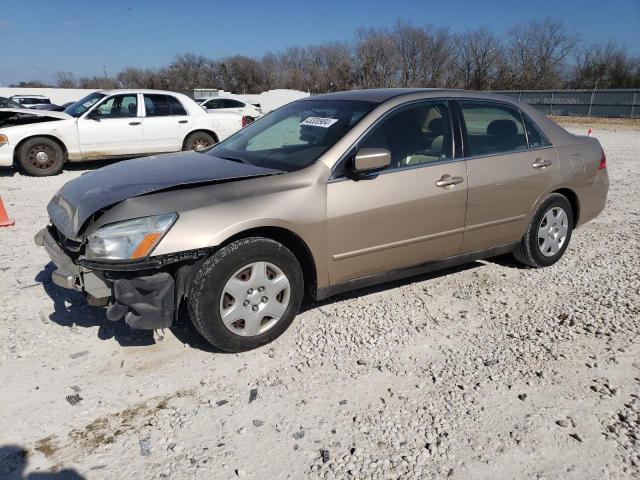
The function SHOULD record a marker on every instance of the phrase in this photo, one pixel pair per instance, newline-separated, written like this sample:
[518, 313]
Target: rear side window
[227, 103]
[536, 140]
[175, 106]
[492, 129]
[162, 106]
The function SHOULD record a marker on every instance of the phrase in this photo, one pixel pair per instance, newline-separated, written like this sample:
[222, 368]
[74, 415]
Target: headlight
[3, 140]
[128, 240]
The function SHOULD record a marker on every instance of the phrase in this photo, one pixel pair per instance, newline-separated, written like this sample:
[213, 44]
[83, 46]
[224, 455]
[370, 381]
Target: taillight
[246, 120]
[603, 159]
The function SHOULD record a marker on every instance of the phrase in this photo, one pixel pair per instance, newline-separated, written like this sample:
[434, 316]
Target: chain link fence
[581, 103]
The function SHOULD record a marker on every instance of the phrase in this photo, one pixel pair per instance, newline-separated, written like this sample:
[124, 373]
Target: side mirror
[371, 159]
[94, 114]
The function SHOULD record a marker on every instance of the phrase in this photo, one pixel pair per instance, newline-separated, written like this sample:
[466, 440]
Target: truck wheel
[41, 157]
[246, 294]
[199, 141]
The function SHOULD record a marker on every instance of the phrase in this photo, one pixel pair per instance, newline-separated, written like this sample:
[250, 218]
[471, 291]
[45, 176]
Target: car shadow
[13, 463]
[7, 172]
[71, 310]
[363, 292]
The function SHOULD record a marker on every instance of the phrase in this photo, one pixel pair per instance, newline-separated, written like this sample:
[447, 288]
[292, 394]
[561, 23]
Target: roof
[377, 95]
[381, 95]
[137, 90]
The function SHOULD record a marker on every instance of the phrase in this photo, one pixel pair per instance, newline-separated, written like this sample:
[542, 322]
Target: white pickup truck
[109, 124]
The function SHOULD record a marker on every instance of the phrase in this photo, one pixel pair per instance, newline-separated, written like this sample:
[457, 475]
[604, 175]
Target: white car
[31, 101]
[231, 105]
[109, 124]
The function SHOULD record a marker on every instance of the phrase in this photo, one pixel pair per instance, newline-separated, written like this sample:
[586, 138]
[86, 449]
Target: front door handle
[448, 181]
[539, 163]
[183, 121]
[135, 123]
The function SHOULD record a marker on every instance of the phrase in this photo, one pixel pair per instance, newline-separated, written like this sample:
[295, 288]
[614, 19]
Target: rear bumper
[145, 299]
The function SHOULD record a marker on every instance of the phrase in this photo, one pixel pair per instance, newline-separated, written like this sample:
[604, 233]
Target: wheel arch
[573, 201]
[294, 243]
[203, 130]
[18, 147]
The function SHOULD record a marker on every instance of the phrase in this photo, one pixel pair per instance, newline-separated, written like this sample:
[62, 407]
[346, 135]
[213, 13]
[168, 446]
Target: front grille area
[71, 247]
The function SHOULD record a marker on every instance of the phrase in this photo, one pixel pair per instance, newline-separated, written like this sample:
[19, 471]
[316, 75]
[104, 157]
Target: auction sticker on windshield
[319, 122]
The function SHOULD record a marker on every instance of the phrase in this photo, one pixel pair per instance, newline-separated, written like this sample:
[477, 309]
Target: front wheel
[548, 233]
[199, 141]
[41, 157]
[246, 294]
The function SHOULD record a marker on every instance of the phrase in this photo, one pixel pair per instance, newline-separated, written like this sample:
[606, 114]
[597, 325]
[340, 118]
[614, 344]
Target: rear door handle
[539, 163]
[135, 123]
[448, 181]
[183, 121]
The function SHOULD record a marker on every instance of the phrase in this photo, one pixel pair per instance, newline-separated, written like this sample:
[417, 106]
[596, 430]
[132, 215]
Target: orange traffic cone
[4, 218]
[589, 133]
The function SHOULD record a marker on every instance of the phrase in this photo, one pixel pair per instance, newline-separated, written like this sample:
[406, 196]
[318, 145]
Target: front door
[510, 165]
[408, 214]
[117, 130]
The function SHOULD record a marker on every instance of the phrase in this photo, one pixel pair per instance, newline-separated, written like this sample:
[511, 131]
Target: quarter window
[120, 106]
[492, 129]
[533, 134]
[415, 135]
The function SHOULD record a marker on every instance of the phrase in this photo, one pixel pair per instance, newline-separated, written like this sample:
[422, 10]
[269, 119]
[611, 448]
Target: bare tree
[65, 80]
[538, 51]
[479, 55]
[375, 61]
[606, 66]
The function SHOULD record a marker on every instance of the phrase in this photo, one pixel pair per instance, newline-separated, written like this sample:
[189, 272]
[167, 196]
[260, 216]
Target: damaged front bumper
[146, 297]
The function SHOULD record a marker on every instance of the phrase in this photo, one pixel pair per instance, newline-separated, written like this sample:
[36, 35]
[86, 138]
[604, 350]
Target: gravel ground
[485, 371]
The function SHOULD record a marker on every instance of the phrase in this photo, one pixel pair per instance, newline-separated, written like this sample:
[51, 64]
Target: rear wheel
[41, 157]
[548, 233]
[199, 141]
[246, 294]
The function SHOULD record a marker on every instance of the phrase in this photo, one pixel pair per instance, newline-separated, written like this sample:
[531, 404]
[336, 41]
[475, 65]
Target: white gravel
[486, 371]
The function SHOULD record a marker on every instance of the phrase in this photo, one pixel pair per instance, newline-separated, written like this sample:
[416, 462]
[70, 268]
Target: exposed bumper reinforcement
[144, 302]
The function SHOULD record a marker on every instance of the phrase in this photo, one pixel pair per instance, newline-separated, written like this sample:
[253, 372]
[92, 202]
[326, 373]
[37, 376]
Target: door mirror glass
[371, 159]
[94, 114]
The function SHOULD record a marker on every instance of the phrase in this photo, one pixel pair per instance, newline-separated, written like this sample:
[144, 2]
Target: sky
[86, 37]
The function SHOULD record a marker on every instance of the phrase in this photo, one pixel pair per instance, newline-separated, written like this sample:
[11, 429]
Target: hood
[80, 198]
[37, 112]
[10, 117]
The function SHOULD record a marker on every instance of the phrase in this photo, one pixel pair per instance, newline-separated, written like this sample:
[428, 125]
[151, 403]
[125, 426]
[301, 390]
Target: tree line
[541, 54]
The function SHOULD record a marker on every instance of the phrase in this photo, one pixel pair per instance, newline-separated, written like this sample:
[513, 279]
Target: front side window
[119, 106]
[295, 135]
[415, 135]
[492, 129]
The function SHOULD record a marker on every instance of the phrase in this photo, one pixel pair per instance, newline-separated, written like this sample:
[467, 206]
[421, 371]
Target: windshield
[78, 108]
[7, 103]
[293, 136]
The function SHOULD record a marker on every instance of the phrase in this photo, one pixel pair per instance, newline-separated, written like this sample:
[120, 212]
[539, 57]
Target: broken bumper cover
[145, 299]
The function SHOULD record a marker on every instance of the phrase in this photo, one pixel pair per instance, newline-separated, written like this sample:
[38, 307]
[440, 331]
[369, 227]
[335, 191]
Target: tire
[199, 141]
[227, 271]
[542, 244]
[41, 157]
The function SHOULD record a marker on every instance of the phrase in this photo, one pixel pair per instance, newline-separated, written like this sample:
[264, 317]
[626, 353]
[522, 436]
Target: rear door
[117, 131]
[407, 214]
[166, 123]
[510, 164]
